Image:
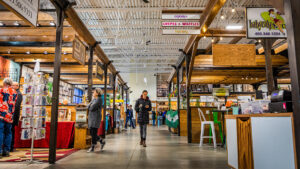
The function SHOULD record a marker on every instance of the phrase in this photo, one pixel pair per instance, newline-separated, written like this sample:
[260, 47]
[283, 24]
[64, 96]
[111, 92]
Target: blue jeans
[5, 136]
[131, 122]
[143, 131]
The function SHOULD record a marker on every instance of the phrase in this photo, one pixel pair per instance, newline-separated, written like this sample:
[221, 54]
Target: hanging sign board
[181, 16]
[182, 24]
[181, 31]
[265, 23]
[99, 70]
[220, 92]
[79, 51]
[25, 9]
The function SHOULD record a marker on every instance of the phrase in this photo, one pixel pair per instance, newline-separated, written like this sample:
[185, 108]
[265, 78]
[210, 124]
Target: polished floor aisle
[164, 151]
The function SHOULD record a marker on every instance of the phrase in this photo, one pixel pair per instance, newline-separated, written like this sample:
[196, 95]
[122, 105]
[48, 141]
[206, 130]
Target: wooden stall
[261, 141]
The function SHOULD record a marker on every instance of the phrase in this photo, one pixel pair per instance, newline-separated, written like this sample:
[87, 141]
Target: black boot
[141, 142]
[92, 149]
[144, 143]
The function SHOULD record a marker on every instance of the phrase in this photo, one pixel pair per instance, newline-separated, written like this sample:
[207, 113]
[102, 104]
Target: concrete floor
[164, 151]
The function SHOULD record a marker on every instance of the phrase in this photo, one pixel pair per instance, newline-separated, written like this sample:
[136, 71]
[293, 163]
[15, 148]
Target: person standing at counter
[8, 97]
[94, 119]
[16, 116]
[142, 107]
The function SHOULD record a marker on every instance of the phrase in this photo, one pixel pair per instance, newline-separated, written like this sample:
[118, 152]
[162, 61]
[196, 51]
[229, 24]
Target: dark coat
[143, 112]
[16, 116]
[95, 109]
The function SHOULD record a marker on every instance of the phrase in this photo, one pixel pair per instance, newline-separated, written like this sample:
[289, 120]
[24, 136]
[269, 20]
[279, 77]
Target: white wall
[137, 84]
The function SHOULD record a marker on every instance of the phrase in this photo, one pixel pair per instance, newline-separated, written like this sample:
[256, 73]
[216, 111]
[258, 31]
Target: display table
[65, 136]
[261, 141]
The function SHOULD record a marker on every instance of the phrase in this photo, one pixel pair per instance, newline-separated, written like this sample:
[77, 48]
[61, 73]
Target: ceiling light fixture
[52, 23]
[259, 41]
[28, 52]
[221, 38]
[212, 40]
[234, 27]
[1, 24]
[65, 52]
[17, 23]
[222, 17]
[233, 10]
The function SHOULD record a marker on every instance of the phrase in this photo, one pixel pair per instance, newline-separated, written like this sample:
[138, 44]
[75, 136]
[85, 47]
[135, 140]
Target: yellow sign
[117, 101]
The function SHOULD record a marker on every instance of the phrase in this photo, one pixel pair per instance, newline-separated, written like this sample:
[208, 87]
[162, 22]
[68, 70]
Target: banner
[172, 119]
[265, 23]
[183, 24]
[181, 16]
[181, 31]
[25, 9]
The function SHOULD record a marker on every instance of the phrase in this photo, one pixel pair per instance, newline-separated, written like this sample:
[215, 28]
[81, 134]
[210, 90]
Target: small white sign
[180, 16]
[265, 23]
[26, 9]
[181, 32]
[162, 99]
[182, 24]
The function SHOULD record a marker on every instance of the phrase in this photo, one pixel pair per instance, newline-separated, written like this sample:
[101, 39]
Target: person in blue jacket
[129, 115]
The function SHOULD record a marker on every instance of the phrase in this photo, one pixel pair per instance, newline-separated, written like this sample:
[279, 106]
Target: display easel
[33, 111]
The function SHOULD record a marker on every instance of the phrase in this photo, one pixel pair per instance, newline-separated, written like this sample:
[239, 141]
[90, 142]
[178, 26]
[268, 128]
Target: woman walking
[142, 107]
[94, 119]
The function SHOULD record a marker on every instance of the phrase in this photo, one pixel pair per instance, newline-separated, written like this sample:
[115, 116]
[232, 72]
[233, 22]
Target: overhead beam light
[234, 27]
[52, 23]
[17, 23]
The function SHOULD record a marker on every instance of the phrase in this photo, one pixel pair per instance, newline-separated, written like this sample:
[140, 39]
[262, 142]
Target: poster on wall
[265, 23]
[25, 9]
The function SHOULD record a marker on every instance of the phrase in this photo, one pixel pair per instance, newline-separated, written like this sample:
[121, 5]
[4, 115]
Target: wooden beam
[212, 9]
[10, 16]
[30, 31]
[190, 71]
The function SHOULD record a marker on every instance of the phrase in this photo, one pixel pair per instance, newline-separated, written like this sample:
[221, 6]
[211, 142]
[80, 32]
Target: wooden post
[292, 14]
[56, 80]
[267, 44]
[178, 98]
[189, 115]
[90, 74]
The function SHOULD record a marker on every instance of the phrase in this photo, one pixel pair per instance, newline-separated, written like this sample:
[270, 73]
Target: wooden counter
[261, 141]
[196, 124]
